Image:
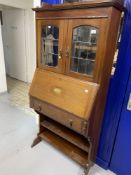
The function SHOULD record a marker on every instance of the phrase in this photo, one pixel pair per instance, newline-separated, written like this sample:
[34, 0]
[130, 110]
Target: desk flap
[70, 94]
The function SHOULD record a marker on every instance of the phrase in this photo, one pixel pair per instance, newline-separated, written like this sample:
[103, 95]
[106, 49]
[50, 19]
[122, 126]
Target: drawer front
[69, 94]
[67, 119]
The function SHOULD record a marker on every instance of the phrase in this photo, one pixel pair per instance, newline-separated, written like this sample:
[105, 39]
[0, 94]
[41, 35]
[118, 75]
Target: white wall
[18, 3]
[30, 40]
[3, 86]
[30, 43]
[37, 3]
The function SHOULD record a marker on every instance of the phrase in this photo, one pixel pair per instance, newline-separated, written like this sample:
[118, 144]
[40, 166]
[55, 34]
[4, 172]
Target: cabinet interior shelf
[46, 54]
[46, 39]
[65, 133]
[84, 59]
[85, 42]
[89, 48]
[78, 155]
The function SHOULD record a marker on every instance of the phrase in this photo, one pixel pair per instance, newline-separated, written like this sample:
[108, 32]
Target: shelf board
[89, 48]
[84, 59]
[67, 134]
[67, 148]
[47, 54]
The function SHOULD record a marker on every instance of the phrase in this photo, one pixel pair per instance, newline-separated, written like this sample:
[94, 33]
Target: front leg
[36, 141]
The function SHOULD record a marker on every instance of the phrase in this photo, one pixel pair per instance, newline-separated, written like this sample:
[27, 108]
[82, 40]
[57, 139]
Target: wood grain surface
[67, 93]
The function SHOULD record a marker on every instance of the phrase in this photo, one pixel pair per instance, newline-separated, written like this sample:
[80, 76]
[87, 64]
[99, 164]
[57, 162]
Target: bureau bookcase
[75, 49]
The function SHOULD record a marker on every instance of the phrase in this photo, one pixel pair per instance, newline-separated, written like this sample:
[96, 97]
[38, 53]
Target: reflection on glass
[84, 49]
[49, 45]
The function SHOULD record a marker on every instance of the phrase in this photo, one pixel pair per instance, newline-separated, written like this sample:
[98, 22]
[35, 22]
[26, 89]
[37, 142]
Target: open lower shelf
[66, 147]
[67, 134]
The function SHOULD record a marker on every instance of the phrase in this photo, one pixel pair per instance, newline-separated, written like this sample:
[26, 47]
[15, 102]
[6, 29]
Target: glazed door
[50, 37]
[84, 52]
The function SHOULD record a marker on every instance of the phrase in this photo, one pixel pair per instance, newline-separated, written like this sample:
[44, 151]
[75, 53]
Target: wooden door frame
[100, 24]
[62, 29]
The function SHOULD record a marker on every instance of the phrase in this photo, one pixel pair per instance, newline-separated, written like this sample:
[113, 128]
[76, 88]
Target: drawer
[66, 93]
[71, 121]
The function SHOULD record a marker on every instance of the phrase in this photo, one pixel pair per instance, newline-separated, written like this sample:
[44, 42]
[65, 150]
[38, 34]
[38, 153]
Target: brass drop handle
[60, 54]
[71, 122]
[67, 52]
[39, 107]
[84, 126]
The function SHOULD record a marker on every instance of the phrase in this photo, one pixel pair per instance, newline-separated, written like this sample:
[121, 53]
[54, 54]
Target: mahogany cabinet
[75, 49]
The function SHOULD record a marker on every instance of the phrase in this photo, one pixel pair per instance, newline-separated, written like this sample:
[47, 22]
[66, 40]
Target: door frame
[62, 25]
[100, 24]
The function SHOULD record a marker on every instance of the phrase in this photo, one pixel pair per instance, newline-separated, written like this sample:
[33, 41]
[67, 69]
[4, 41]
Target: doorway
[14, 35]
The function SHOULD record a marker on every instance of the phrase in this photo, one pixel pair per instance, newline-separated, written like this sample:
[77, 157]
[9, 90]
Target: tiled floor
[17, 130]
[18, 94]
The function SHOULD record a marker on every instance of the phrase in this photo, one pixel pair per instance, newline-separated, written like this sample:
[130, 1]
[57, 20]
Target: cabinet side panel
[97, 116]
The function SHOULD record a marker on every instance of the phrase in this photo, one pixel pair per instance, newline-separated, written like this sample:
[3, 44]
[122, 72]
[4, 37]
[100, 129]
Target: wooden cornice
[82, 5]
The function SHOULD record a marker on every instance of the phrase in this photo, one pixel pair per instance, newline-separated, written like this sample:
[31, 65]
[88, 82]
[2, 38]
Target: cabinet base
[72, 144]
[76, 154]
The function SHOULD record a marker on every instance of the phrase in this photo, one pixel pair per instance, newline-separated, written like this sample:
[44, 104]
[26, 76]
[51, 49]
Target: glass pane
[49, 45]
[84, 49]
